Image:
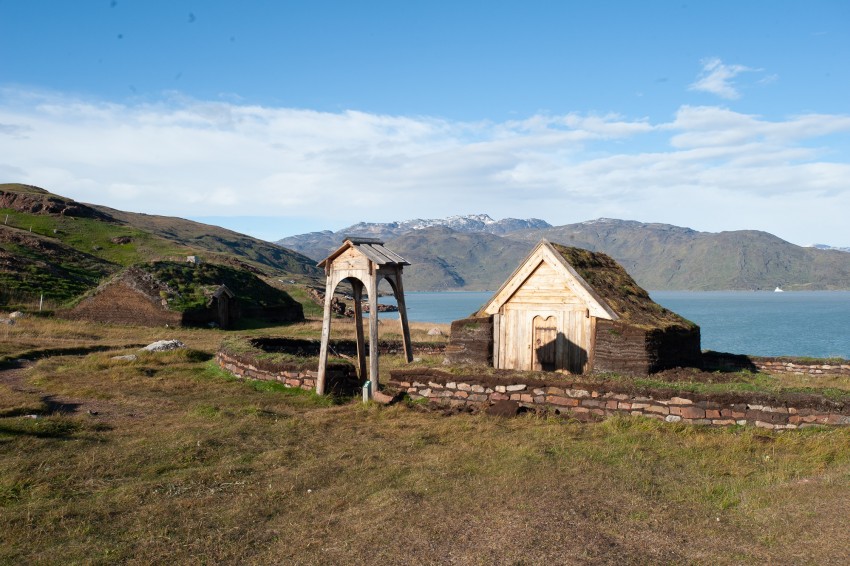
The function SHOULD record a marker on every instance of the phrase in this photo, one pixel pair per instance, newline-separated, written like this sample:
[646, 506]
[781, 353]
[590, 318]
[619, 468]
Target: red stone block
[691, 412]
[563, 401]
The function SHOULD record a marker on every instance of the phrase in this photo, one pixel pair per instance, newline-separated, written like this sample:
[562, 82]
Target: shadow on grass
[259, 323]
[11, 361]
[61, 429]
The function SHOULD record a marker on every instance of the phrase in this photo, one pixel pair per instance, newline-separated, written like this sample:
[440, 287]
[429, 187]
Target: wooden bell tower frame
[364, 262]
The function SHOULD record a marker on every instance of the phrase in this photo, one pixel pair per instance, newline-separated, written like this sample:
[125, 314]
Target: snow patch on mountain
[826, 247]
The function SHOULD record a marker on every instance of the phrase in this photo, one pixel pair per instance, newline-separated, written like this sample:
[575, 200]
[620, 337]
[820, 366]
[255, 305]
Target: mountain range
[55, 246]
[478, 253]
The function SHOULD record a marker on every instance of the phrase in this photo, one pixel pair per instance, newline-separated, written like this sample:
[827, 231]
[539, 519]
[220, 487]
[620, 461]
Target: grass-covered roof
[617, 288]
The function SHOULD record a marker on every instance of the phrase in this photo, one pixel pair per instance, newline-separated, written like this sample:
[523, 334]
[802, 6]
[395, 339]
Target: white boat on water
[778, 290]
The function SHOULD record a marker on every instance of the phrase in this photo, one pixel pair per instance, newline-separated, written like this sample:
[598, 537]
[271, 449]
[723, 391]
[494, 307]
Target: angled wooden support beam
[357, 286]
[402, 316]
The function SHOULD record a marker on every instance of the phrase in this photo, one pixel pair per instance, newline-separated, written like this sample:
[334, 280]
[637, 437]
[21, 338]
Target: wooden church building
[578, 311]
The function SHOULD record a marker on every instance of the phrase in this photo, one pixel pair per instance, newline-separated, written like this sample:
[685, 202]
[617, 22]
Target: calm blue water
[764, 323]
[760, 323]
[439, 307]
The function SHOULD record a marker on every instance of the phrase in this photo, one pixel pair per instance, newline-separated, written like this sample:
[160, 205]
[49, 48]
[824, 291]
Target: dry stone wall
[720, 361]
[592, 402]
[302, 379]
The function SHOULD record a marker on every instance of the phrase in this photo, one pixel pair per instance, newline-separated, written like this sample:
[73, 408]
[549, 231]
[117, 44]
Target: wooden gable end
[351, 258]
[545, 286]
[544, 278]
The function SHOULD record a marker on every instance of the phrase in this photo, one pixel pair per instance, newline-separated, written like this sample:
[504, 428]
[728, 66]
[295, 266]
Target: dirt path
[15, 378]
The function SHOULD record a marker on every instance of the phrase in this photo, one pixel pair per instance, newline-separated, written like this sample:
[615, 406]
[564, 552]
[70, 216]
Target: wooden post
[357, 286]
[326, 335]
[373, 326]
[40, 302]
[497, 340]
[402, 316]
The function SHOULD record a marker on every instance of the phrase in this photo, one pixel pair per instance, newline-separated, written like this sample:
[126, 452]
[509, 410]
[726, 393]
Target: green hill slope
[58, 247]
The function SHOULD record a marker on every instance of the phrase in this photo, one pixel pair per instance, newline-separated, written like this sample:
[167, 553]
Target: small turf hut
[133, 297]
[148, 296]
[571, 309]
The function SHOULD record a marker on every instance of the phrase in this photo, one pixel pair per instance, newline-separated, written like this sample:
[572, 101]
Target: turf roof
[617, 288]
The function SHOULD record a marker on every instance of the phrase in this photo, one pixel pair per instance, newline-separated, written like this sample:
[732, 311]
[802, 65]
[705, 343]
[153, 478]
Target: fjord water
[759, 323]
[765, 323]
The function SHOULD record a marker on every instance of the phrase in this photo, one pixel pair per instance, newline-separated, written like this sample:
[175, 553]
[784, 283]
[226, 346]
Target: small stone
[435, 332]
[127, 358]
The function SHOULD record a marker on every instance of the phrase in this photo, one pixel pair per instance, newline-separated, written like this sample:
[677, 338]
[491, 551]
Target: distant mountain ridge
[469, 223]
[318, 245]
[658, 256]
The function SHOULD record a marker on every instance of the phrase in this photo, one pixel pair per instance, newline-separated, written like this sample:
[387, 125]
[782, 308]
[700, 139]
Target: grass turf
[168, 459]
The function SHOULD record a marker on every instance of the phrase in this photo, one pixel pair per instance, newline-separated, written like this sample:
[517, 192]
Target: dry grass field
[166, 459]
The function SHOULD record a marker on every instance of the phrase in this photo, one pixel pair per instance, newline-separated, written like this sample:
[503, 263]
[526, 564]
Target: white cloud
[709, 167]
[716, 78]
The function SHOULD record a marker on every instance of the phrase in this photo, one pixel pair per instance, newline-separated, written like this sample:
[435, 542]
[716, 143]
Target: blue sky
[276, 118]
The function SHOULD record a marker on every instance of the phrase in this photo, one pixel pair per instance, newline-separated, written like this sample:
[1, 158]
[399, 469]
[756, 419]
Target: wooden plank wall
[544, 294]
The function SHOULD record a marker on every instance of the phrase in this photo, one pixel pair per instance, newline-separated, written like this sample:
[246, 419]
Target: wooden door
[545, 338]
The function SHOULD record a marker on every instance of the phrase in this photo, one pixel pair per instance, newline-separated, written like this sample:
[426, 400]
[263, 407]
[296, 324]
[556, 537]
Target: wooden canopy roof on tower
[372, 248]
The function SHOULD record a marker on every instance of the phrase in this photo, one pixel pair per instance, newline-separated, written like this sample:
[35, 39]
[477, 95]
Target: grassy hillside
[192, 283]
[53, 245]
[205, 238]
[32, 266]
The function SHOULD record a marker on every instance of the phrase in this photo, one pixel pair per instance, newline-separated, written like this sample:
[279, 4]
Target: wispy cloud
[194, 158]
[717, 78]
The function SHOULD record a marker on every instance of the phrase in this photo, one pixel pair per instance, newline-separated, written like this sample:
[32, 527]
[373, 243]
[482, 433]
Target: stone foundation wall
[720, 361]
[814, 367]
[587, 403]
[338, 378]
